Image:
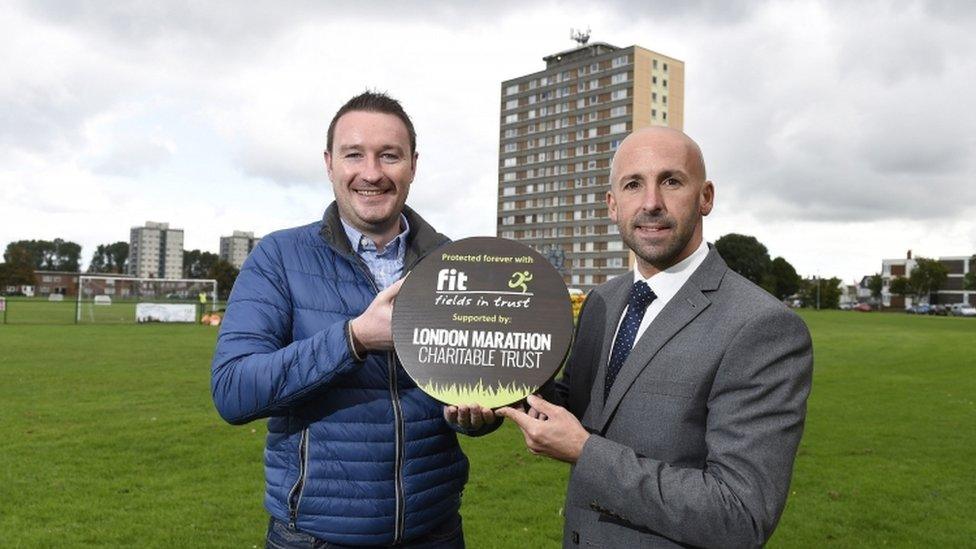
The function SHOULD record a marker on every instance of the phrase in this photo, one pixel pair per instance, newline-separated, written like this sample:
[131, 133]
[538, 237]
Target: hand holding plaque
[482, 320]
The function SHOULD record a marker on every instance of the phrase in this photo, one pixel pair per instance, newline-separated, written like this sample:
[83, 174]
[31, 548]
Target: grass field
[110, 439]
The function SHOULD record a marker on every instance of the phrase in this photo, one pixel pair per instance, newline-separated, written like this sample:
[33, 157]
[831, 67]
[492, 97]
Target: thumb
[390, 293]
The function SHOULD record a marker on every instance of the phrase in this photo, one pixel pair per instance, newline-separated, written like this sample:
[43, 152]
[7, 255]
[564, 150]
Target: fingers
[519, 417]
[542, 405]
[451, 414]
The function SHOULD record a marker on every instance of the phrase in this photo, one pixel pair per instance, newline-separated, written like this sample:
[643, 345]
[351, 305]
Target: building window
[510, 147]
[620, 61]
[619, 127]
[653, 113]
[665, 67]
[511, 104]
[510, 161]
[618, 111]
[511, 132]
[618, 94]
[664, 82]
[653, 97]
[615, 246]
[664, 115]
[508, 176]
[664, 99]
[654, 80]
[511, 90]
[511, 118]
[619, 78]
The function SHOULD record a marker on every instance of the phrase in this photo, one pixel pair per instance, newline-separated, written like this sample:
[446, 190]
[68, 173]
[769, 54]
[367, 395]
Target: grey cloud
[133, 156]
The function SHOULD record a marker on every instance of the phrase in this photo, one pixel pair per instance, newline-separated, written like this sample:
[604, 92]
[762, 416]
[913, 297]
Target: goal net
[123, 300]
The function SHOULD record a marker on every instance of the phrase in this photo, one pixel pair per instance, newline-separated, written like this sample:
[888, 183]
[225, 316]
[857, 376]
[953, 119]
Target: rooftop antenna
[579, 36]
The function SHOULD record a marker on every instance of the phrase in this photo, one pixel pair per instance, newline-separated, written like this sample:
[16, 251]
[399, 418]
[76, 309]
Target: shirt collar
[666, 283]
[361, 243]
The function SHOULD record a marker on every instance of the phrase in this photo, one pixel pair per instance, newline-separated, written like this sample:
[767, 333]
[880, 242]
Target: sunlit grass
[110, 439]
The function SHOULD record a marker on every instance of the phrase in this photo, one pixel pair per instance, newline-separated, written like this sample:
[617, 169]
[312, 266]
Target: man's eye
[632, 184]
[390, 157]
[671, 182]
[354, 155]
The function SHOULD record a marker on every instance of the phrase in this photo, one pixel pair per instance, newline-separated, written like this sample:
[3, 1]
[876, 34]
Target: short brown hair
[369, 101]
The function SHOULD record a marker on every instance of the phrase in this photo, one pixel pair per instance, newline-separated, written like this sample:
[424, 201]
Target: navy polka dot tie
[640, 297]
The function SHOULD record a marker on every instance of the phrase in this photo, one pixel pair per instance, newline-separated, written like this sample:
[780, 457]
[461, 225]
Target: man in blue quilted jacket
[356, 454]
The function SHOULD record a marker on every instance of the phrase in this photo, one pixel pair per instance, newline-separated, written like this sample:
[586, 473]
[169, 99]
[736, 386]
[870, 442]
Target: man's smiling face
[371, 166]
[658, 196]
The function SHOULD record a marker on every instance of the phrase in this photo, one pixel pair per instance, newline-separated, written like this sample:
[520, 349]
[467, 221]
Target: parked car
[940, 310]
[863, 308]
[920, 309]
[964, 310]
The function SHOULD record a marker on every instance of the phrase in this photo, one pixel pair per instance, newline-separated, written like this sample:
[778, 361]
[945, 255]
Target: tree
[225, 274]
[48, 255]
[876, 285]
[927, 277]
[969, 281]
[823, 291]
[197, 264]
[782, 279]
[746, 256]
[900, 286]
[110, 258]
[18, 269]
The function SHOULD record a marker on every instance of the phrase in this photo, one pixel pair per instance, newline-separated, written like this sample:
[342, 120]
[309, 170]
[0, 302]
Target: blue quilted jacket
[356, 454]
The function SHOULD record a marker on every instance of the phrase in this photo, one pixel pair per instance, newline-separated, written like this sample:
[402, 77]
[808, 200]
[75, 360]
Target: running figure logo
[520, 280]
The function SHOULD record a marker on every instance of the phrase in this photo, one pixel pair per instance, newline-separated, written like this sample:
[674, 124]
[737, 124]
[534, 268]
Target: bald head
[657, 141]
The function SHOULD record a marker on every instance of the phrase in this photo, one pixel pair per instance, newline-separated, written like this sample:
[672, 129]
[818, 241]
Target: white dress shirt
[665, 285]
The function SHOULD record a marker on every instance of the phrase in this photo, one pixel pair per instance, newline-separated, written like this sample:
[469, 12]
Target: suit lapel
[616, 302]
[684, 307]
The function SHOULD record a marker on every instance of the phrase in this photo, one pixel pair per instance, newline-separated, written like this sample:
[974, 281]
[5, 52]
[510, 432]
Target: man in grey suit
[683, 401]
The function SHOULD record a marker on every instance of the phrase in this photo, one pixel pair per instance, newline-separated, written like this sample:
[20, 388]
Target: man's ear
[707, 198]
[611, 206]
[328, 164]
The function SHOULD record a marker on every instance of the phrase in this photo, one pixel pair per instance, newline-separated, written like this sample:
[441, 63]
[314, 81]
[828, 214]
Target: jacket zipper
[398, 424]
[400, 514]
[295, 495]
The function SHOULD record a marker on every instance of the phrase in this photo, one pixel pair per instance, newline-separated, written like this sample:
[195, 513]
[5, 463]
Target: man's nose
[652, 200]
[372, 170]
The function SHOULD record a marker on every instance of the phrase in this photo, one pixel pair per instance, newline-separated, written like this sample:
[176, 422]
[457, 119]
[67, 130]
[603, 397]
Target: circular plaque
[482, 320]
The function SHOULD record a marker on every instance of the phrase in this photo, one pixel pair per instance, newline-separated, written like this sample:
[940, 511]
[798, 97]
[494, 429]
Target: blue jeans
[448, 535]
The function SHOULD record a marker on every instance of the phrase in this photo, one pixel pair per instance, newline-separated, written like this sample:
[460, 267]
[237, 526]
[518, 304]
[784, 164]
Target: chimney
[909, 254]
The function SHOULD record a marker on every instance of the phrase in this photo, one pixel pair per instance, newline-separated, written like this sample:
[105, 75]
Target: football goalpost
[123, 299]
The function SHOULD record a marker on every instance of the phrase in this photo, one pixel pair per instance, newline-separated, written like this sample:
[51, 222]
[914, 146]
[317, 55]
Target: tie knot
[641, 295]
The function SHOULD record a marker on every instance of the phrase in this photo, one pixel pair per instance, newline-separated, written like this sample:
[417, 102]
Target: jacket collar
[420, 241]
[684, 307]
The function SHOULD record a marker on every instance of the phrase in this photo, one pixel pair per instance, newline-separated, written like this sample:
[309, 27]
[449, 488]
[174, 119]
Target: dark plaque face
[482, 320]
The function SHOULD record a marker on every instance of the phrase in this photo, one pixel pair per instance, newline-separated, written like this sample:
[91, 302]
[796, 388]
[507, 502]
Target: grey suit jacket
[695, 443]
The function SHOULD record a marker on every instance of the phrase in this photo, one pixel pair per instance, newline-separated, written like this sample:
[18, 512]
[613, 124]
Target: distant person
[356, 454]
[685, 393]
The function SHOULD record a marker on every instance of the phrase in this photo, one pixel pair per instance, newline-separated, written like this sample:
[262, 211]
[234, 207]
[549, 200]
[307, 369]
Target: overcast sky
[837, 133]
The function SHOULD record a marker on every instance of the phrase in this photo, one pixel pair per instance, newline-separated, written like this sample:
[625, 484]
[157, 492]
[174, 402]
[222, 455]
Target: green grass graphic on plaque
[488, 396]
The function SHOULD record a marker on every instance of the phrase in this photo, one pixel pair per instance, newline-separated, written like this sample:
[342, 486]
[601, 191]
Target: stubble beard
[663, 255]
